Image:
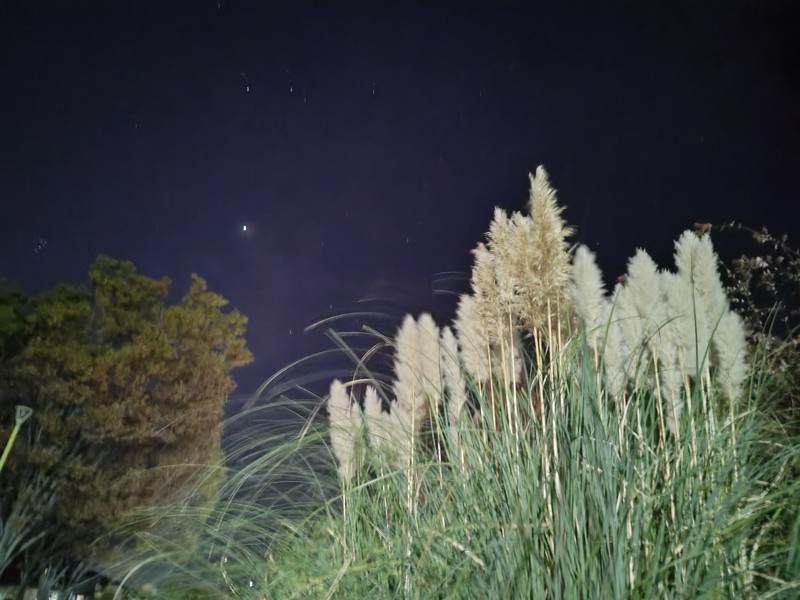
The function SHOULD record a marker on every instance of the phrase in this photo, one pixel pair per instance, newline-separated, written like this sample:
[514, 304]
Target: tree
[128, 395]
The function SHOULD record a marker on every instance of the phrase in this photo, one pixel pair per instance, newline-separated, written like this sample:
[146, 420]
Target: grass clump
[590, 498]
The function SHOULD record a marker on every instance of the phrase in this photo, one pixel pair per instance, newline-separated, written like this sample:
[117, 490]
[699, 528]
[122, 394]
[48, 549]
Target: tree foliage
[128, 393]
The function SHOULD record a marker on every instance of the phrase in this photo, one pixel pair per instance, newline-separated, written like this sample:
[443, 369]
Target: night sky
[304, 156]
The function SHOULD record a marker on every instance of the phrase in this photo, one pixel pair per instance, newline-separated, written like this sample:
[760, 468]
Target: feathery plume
[378, 421]
[408, 390]
[546, 259]
[630, 326]
[645, 310]
[389, 433]
[456, 386]
[645, 293]
[416, 364]
[346, 430]
[589, 295]
[429, 358]
[418, 383]
[472, 339]
[492, 304]
[730, 351]
[503, 236]
[679, 327]
[677, 358]
[697, 263]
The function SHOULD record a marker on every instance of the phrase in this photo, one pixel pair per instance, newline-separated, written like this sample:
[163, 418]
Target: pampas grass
[590, 498]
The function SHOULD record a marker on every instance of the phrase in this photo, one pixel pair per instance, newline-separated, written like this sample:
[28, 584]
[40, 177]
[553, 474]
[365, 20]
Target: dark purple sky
[365, 145]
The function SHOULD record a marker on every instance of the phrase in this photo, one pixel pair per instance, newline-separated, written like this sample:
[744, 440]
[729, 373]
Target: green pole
[23, 413]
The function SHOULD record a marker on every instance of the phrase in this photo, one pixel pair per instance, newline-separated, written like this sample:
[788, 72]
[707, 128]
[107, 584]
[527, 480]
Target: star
[40, 246]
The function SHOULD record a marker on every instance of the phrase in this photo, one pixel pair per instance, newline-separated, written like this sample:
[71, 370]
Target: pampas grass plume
[456, 386]
[346, 430]
[589, 295]
[473, 340]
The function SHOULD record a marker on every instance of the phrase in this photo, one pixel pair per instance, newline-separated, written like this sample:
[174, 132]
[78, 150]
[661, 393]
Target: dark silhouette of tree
[127, 393]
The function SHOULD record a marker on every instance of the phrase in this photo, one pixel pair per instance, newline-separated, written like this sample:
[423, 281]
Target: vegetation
[127, 395]
[554, 442]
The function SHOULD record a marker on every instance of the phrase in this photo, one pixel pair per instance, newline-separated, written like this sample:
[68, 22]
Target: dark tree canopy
[128, 394]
